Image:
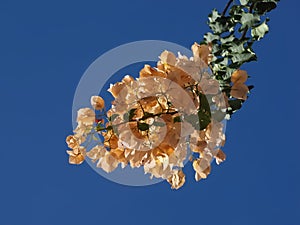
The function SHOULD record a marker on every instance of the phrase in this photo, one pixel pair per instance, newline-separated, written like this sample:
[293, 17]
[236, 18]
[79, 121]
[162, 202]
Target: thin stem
[247, 28]
[226, 7]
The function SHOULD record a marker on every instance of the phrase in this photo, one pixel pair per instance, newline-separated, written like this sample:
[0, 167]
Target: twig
[226, 7]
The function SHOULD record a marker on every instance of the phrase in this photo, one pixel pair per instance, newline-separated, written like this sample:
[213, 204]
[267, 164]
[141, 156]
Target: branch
[226, 7]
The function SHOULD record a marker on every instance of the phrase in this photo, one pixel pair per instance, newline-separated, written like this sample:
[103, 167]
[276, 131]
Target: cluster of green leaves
[234, 31]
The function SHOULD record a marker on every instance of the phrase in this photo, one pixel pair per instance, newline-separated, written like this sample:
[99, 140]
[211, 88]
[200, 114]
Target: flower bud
[97, 102]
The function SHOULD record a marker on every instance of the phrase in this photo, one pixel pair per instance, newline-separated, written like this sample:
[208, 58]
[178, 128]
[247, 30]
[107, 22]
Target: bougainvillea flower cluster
[156, 119]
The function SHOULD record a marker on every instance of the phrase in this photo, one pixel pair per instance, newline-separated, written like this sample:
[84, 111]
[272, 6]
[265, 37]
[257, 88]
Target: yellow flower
[119, 154]
[72, 142]
[199, 146]
[76, 156]
[116, 88]
[97, 102]
[220, 156]
[111, 141]
[127, 79]
[168, 58]
[239, 91]
[177, 179]
[86, 116]
[149, 71]
[202, 168]
[138, 158]
[209, 86]
[239, 76]
[221, 101]
[177, 75]
[108, 162]
[96, 153]
[202, 52]
[82, 130]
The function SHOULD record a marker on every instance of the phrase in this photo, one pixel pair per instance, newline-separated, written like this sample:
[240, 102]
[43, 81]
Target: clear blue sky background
[45, 48]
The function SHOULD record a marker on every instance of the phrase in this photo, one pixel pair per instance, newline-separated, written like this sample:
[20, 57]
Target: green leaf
[222, 61]
[244, 2]
[221, 24]
[235, 104]
[203, 119]
[147, 115]
[177, 119]
[265, 6]
[193, 119]
[229, 72]
[217, 28]
[216, 50]
[158, 124]
[227, 40]
[250, 87]
[243, 57]
[129, 115]
[204, 104]
[113, 117]
[209, 37]
[143, 126]
[235, 12]
[109, 128]
[259, 32]
[213, 16]
[248, 20]
[237, 48]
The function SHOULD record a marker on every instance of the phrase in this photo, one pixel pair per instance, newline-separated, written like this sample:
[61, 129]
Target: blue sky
[45, 48]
